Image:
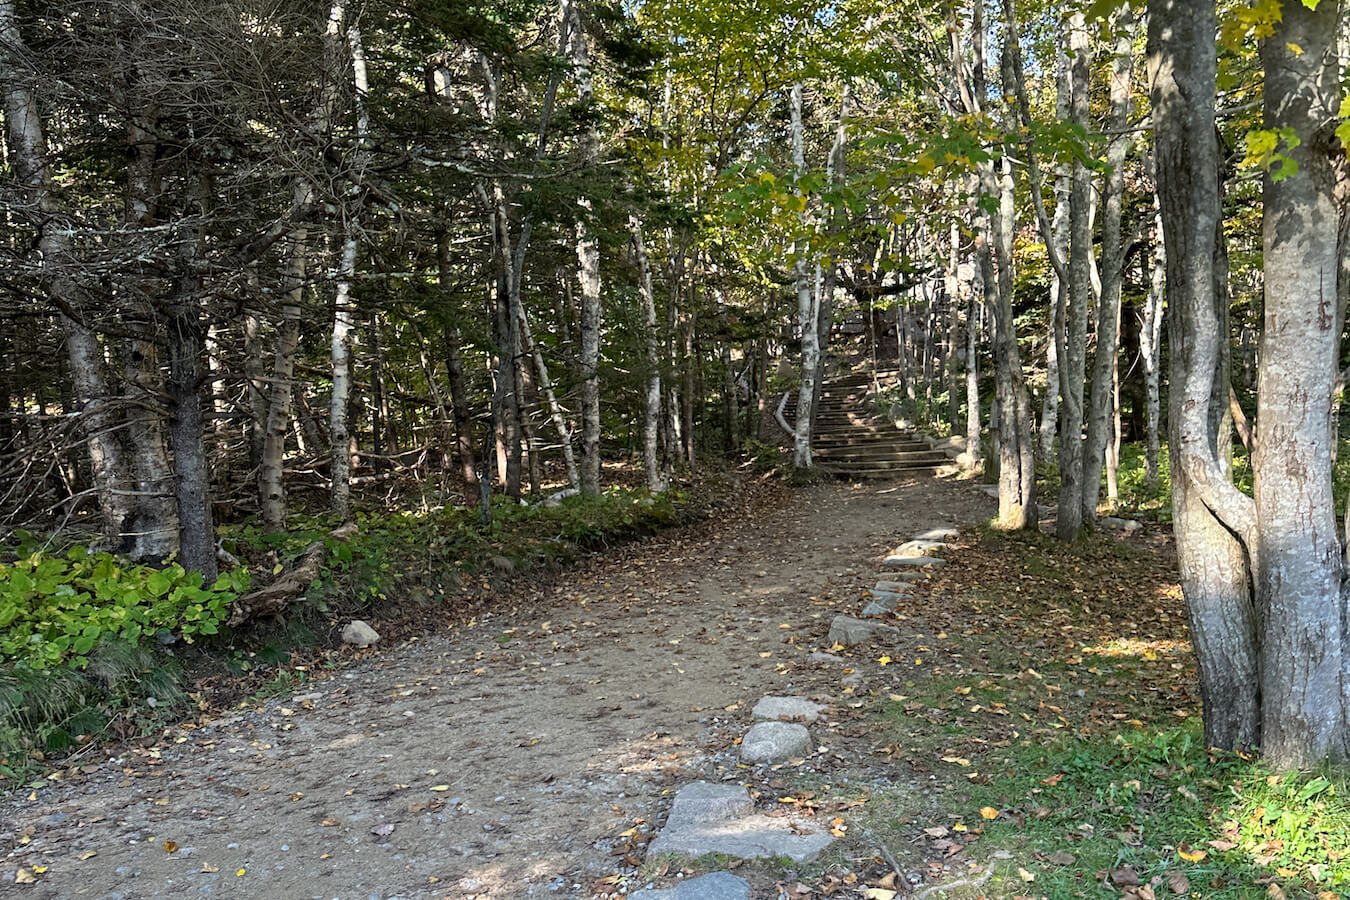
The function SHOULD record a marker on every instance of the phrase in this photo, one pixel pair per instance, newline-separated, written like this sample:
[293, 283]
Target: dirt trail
[499, 760]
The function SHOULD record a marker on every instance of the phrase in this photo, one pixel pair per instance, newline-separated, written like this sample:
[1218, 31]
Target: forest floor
[534, 752]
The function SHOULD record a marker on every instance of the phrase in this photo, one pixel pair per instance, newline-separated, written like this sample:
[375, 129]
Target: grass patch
[1053, 729]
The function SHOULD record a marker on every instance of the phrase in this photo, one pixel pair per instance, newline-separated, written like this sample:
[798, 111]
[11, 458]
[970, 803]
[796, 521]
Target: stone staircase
[851, 442]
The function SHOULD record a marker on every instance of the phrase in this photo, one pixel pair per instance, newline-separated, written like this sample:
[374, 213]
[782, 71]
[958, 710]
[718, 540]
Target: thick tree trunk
[1212, 552]
[1300, 568]
[1101, 404]
[1073, 362]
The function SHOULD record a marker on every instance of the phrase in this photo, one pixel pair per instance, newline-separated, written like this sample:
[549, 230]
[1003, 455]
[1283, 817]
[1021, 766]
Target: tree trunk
[272, 490]
[808, 305]
[1101, 404]
[1059, 244]
[27, 145]
[1300, 567]
[1150, 351]
[340, 439]
[1073, 363]
[651, 418]
[1211, 551]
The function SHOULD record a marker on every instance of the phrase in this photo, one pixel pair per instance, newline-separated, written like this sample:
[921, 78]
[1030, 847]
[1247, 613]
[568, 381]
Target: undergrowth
[93, 647]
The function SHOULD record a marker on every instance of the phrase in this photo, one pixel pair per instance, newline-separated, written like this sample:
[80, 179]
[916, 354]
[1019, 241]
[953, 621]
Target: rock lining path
[529, 754]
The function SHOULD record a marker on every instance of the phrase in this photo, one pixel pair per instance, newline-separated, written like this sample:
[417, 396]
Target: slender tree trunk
[1073, 364]
[271, 486]
[1150, 351]
[808, 308]
[1059, 238]
[340, 438]
[1101, 403]
[651, 419]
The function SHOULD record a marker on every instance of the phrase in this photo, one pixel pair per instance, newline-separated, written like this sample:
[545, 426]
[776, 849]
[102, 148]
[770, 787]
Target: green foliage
[54, 709]
[58, 608]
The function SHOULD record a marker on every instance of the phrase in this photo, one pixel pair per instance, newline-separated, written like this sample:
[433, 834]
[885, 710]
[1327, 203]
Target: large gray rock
[917, 547]
[714, 886]
[713, 818]
[848, 631]
[1126, 525]
[790, 709]
[937, 534]
[360, 634]
[892, 587]
[703, 802]
[922, 562]
[774, 742]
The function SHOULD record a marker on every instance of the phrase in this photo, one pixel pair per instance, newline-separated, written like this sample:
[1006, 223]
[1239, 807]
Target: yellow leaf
[988, 812]
[39, 870]
[958, 760]
[241, 873]
[1294, 48]
[170, 846]
[440, 787]
[959, 827]
[1191, 855]
[885, 660]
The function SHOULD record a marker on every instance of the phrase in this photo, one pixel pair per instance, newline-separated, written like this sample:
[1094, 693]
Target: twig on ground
[958, 883]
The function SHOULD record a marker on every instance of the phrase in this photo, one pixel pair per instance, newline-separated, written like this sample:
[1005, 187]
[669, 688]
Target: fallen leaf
[1025, 875]
[23, 876]
[170, 846]
[1178, 883]
[1053, 779]
[440, 787]
[383, 830]
[89, 854]
[1191, 855]
[1125, 876]
[1221, 846]
[988, 812]
[1062, 858]
[1275, 892]
[330, 823]
[878, 894]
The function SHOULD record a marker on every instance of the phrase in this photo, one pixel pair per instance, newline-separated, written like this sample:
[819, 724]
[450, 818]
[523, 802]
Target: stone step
[878, 454]
[877, 472]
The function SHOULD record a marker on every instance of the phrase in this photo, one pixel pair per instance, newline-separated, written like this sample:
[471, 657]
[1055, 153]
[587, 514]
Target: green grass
[1171, 811]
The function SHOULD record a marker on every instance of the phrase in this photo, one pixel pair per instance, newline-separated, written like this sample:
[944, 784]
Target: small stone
[937, 534]
[917, 548]
[823, 658]
[847, 630]
[788, 709]
[359, 634]
[703, 802]
[880, 606]
[1126, 525]
[891, 587]
[714, 886]
[923, 562]
[774, 742]
[990, 489]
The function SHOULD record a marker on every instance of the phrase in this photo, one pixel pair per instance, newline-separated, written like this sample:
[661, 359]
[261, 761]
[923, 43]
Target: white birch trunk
[808, 306]
[651, 420]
